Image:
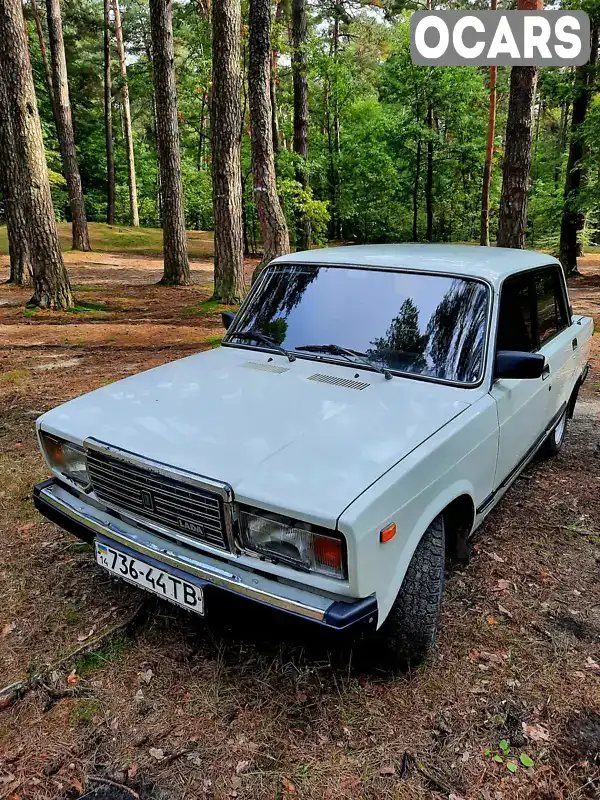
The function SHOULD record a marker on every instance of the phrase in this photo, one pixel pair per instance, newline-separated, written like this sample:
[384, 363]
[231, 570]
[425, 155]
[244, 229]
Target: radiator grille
[171, 503]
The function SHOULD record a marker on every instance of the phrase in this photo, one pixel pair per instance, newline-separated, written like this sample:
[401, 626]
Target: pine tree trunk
[108, 124]
[10, 181]
[301, 118]
[336, 216]
[204, 9]
[415, 222]
[489, 157]
[484, 236]
[43, 50]
[202, 133]
[176, 264]
[129, 151]
[572, 217]
[279, 16]
[23, 159]
[512, 223]
[64, 126]
[226, 133]
[16, 220]
[429, 177]
[276, 240]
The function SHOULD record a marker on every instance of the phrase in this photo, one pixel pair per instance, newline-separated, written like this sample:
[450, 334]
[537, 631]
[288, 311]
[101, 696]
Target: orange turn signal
[54, 450]
[328, 552]
[387, 533]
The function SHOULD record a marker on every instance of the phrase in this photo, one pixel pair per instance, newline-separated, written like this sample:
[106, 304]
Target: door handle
[546, 372]
[575, 344]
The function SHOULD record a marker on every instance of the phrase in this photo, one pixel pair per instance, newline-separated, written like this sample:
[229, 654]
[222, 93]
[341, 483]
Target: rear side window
[533, 309]
[551, 312]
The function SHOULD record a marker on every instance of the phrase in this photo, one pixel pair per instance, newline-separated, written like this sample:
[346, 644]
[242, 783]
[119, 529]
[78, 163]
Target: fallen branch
[115, 785]
[15, 691]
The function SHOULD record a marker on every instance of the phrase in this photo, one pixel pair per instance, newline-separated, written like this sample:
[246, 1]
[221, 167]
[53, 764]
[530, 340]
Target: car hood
[301, 436]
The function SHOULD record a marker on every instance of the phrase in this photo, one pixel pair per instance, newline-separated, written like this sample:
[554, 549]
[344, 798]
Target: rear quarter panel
[584, 328]
[460, 459]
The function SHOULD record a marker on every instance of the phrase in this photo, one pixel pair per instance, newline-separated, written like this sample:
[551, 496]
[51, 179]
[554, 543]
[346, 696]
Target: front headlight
[291, 544]
[66, 458]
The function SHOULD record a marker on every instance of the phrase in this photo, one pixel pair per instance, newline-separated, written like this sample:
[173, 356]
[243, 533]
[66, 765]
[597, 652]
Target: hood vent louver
[261, 366]
[345, 383]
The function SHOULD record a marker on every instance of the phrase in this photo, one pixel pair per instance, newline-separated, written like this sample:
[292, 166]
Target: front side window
[516, 324]
[532, 310]
[432, 326]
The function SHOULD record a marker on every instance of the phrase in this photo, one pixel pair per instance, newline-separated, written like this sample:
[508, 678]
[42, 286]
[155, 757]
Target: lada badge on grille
[192, 527]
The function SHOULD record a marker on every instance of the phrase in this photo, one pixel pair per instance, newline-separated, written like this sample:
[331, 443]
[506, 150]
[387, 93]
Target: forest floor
[255, 707]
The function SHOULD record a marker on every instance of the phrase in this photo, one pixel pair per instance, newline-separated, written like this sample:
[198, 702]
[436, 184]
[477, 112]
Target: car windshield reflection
[426, 325]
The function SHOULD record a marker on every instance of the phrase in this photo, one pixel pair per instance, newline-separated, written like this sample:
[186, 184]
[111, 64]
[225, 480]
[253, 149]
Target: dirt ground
[249, 705]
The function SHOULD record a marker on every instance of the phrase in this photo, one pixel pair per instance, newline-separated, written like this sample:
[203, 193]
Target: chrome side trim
[220, 578]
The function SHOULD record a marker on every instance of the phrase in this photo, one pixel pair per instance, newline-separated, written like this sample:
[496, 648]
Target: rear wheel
[556, 437]
[409, 631]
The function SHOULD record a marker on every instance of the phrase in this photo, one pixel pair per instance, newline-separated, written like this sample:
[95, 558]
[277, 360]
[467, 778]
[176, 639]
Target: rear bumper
[90, 523]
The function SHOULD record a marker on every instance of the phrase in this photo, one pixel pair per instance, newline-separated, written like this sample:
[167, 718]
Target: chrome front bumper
[89, 523]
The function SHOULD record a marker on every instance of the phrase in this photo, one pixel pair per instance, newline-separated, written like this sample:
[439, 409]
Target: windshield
[429, 325]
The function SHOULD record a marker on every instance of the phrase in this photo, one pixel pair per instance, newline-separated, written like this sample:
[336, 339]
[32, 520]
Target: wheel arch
[457, 506]
[459, 518]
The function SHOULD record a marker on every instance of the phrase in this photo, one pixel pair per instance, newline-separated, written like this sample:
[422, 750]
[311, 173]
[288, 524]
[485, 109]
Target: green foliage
[369, 135]
[299, 202]
[83, 712]
[113, 650]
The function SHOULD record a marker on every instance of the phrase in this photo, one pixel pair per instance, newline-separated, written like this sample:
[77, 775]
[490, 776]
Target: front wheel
[409, 631]
[556, 437]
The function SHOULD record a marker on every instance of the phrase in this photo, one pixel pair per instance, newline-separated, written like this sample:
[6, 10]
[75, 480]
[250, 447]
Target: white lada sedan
[369, 406]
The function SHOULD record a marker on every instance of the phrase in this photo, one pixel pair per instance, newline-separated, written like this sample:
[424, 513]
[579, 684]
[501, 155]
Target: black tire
[408, 634]
[556, 438]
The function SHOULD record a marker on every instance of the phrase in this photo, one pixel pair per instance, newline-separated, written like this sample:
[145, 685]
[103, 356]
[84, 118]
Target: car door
[557, 338]
[522, 405]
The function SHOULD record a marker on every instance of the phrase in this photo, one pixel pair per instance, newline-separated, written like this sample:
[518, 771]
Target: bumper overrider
[92, 524]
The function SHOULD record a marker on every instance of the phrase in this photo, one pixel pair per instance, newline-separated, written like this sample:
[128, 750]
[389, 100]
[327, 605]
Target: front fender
[459, 461]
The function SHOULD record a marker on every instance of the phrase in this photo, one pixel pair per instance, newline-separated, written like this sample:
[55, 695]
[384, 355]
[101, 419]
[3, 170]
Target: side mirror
[514, 364]
[227, 318]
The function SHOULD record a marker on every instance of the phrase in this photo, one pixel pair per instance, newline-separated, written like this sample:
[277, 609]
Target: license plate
[150, 578]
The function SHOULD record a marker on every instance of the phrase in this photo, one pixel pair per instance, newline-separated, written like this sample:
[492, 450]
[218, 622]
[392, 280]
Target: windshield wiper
[263, 338]
[351, 355]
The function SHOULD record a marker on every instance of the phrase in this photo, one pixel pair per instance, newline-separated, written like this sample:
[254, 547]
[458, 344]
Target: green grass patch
[214, 341]
[85, 308]
[70, 615]
[579, 531]
[83, 712]
[124, 239]
[14, 376]
[81, 547]
[112, 651]
[206, 307]
[30, 311]
[84, 287]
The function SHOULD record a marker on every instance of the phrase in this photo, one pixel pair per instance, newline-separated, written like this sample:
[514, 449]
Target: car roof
[490, 263]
